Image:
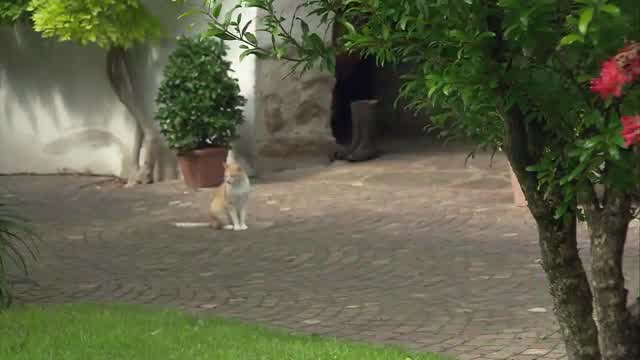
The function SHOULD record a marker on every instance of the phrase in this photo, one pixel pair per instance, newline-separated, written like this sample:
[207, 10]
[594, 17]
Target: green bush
[199, 103]
[16, 243]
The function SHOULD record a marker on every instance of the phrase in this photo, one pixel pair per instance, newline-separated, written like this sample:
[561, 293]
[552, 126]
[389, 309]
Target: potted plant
[199, 109]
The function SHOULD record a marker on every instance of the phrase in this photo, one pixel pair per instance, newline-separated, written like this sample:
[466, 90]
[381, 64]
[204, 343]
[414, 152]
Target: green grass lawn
[91, 332]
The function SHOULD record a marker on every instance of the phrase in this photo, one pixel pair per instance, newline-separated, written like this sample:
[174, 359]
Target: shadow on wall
[58, 111]
[146, 64]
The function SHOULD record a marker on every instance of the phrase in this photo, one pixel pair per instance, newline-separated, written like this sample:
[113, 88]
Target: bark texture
[147, 162]
[595, 321]
[608, 225]
[569, 287]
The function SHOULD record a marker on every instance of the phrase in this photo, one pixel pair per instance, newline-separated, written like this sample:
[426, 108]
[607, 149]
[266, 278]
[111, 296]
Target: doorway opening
[359, 78]
[355, 80]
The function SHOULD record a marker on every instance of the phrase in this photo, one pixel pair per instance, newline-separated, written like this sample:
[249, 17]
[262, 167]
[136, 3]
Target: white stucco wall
[50, 92]
[59, 114]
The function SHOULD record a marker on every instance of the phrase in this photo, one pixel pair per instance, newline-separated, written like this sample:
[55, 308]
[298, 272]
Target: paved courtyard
[415, 250]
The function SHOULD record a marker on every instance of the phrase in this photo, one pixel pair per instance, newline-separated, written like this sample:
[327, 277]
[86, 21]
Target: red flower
[631, 129]
[612, 79]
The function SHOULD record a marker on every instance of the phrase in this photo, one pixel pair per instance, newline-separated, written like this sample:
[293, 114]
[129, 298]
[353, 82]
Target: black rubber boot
[363, 114]
[344, 151]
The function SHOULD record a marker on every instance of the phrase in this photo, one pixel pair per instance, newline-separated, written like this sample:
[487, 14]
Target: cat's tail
[191, 224]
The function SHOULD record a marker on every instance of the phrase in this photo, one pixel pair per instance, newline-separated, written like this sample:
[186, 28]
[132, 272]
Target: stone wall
[293, 114]
[292, 127]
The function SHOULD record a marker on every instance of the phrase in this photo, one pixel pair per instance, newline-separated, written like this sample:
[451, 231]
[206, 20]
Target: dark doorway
[355, 80]
[359, 78]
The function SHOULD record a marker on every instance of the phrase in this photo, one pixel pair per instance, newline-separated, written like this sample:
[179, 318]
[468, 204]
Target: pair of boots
[363, 144]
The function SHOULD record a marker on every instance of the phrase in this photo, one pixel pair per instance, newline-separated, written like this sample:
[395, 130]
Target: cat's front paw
[229, 227]
[240, 228]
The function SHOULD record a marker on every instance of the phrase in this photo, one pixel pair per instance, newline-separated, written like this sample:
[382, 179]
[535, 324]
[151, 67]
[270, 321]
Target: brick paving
[411, 250]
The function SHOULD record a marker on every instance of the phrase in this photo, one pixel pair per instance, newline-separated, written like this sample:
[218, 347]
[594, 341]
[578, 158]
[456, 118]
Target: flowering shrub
[612, 79]
[631, 131]
[616, 73]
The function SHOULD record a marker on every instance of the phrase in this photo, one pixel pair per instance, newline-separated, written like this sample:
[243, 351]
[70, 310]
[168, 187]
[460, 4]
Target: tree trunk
[144, 160]
[608, 232]
[568, 281]
[569, 287]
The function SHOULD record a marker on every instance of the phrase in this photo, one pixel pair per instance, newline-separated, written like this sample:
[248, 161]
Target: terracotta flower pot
[203, 168]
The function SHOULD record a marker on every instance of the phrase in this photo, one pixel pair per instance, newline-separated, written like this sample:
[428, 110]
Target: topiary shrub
[199, 103]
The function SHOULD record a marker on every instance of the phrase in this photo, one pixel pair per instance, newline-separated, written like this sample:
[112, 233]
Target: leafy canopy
[199, 103]
[106, 23]
[12, 11]
[485, 69]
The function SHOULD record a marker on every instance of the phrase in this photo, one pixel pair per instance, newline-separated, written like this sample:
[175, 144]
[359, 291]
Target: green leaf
[611, 9]
[591, 142]
[244, 29]
[584, 78]
[458, 35]
[614, 152]
[251, 38]
[403, 23]
[571, 38]
[585, 19]
[347, 25]
[246, 53]
[220, 34]
[216, 10]
[316, 42]
[485, 35]
[432, 91]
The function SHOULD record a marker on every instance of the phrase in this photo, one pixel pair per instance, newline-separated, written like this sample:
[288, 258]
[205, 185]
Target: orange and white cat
[228, 209]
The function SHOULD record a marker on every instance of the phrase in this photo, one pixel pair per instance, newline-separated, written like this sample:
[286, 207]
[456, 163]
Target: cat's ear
[230, 157]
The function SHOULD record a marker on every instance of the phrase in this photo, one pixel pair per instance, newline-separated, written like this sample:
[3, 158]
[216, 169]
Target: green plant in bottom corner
[199, 103]
[17, 242]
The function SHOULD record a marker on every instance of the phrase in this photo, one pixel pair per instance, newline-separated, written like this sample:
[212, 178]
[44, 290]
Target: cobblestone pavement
[411, 250]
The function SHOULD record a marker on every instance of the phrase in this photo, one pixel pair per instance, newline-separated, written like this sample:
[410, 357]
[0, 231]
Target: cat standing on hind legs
[228, 209]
